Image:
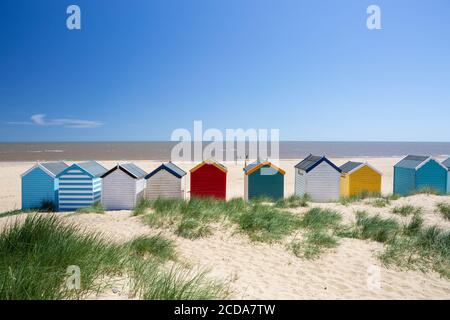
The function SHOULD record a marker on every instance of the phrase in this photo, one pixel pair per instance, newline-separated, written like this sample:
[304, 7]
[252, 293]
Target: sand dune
[263, 271]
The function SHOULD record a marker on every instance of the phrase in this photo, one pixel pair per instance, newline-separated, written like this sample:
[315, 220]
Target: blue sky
[139, 69]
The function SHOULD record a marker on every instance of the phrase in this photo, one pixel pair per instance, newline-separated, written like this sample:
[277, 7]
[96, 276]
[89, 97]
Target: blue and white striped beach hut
[40, 185]
[80, 185]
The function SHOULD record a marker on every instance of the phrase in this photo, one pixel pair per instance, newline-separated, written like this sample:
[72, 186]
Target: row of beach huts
[80, 185]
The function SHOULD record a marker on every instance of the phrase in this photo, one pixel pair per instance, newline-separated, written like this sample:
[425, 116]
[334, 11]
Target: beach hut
[263, 179]
[359, 177]
[446, 164]
[166, 181]
[319, 178]
[40, 185]
[414, 173]
[80, 185]
[123, 186]
[209, 179]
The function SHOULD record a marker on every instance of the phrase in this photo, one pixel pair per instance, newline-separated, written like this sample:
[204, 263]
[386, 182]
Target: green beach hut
[263, 179]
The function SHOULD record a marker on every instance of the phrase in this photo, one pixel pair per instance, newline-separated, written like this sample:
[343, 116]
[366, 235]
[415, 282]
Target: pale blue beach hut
[40, 185]
[80, 185]
[414, 173]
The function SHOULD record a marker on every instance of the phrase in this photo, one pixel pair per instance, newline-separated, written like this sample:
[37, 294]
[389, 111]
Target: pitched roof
[170, 167]
[311, 161]
[51, 168]
[211, 162]
[349, 166]
[93, 167]
[446, 163]
[134, 170]
[252, 167]
[411, 161]
[55, 167]
[129, 168]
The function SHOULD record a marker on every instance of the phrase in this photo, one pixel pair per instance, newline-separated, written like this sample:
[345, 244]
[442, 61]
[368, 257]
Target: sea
[161, 150]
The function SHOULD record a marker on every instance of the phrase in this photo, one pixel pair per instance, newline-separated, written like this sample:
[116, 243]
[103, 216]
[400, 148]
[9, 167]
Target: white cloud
[41, 120]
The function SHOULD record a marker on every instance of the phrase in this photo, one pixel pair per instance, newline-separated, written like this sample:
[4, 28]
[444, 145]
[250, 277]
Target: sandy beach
[270, 271]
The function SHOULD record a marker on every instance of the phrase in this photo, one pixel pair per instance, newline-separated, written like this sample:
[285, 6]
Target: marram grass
[35, 255]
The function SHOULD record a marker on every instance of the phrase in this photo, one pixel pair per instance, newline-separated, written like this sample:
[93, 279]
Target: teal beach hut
[414, 173]
[40, 185]
[80, 185]
[446, 164]
[263, 179]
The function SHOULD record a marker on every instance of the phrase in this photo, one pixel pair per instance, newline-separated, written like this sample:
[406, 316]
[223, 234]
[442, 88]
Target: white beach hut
[319, 178]
[123, 186]
[166, 181]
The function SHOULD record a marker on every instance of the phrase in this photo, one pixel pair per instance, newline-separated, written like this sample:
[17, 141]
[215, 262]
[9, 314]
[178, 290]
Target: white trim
[38, 165]
[362, 165]
[428, 160]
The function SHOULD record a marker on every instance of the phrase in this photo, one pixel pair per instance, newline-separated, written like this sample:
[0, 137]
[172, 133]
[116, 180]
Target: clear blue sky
[139, 69]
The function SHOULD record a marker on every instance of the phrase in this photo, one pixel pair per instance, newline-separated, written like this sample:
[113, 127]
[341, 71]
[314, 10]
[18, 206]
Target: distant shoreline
[161, 150]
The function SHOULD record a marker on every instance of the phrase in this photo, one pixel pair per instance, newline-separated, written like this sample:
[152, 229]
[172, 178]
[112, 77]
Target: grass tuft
[94, 208]
[444, 210]
[314, 244]
[319, 219]
[358, 197]
[414, 226]
[157, 246]
[12, 213]
[424, 249]
[47, 206]
[192, 228]
[380, 202]
[154, 283]
[141, 207]
[320, 226]
[293, 202]
[266, 224]
[407, 210]
[375, 228]
[427, 191]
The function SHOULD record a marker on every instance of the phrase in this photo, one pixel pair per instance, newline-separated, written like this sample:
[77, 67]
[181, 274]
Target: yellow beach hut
[359, 177]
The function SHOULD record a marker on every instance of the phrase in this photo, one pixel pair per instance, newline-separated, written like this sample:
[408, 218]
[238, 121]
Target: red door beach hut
[209, 179]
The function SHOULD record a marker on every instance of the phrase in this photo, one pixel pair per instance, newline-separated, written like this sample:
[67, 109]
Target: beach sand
[263, 271]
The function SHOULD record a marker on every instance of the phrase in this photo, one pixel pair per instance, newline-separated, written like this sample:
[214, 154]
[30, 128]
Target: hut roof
[446, 163]
[311, 161]
[93, 167]
[129, 168]
[52, 168]
[211, 162]
[252, 167]
[411, 161]
[170, 167]
[350, 166]
[416, 162]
